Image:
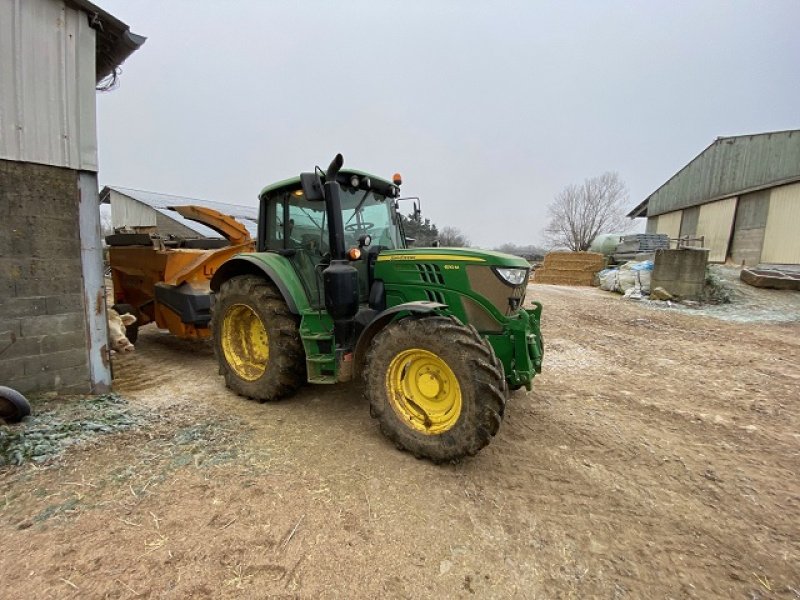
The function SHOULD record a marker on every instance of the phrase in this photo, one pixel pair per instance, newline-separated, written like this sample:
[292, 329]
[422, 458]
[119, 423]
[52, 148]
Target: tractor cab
[294, 222]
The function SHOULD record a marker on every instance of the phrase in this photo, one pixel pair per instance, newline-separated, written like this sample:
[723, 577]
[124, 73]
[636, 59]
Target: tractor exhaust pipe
[340, 279]
[334, 209]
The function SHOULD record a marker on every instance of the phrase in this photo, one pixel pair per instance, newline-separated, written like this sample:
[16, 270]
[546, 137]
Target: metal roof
[247, 215]
[114, 40]
[729, 166]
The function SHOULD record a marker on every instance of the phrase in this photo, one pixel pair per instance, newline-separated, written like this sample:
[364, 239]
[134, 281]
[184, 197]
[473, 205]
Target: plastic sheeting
[632, 278]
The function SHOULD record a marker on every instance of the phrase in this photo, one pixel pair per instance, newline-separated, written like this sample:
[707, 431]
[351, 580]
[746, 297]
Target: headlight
[512, 276]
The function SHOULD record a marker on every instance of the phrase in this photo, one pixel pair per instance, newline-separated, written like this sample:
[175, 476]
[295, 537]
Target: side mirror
[312, 187]
[417, 206]
[410, 241]
[364, 240]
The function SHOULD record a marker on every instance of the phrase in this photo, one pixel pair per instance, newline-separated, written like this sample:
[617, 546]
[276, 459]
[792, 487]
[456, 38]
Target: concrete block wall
[43, 333]
[681, 272]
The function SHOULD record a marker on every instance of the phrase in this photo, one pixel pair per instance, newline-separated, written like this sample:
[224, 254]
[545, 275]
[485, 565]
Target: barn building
[54, 54]
[139, 209]
[741, 195]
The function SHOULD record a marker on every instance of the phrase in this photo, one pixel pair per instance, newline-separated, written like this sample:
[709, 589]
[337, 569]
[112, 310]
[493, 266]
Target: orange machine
[166, 281]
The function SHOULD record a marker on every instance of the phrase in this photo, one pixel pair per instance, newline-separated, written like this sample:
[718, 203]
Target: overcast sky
[487, 109]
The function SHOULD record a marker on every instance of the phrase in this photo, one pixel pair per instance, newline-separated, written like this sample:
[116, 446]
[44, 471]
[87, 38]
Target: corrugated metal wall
[127, 212]
[670, 223]
[782, 234]
[729, 166]
[166, 226]
[715, 223]
[47, 96]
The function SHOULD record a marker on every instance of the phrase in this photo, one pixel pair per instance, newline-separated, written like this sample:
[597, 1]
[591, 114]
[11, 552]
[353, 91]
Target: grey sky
[487, 109]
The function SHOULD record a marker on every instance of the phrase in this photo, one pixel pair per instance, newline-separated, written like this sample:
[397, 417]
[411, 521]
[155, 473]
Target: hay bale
[574, 261]
[564, 278]
[569, 268]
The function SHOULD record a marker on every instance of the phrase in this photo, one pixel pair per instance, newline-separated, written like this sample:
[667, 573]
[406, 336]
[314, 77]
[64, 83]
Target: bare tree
[529, 252]
[452, 237]
[579, 213]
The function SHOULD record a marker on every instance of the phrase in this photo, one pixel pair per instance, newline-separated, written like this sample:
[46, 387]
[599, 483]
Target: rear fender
[385, 317]
[273, 267]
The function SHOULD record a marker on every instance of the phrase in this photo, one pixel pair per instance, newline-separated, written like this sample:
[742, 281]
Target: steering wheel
[356, 227]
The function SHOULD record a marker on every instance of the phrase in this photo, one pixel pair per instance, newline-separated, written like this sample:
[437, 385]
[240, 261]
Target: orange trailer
[167, 281]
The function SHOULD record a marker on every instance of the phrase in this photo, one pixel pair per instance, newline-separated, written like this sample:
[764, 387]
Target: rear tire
[131, 331]
[13, 406]
[436, 387]
[256, 339]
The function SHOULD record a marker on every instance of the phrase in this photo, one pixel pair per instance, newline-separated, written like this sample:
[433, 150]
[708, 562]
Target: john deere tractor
[439, 335]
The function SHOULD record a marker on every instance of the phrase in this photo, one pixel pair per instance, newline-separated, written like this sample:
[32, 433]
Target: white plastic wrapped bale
[632, 277]
[644, 272]
[609, 280]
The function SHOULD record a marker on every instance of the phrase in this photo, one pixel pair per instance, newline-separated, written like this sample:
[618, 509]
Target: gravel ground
[656, 457]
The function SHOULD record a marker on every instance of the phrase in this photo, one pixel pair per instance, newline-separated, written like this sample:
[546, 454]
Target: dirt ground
[656, 457]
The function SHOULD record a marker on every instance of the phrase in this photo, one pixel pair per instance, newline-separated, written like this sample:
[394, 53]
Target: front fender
[272, 266]
[382, 319]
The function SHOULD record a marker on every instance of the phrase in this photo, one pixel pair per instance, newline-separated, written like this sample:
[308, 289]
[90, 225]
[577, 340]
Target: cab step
[321, 368]
[317, 337]
[321, 359]
[323, 379]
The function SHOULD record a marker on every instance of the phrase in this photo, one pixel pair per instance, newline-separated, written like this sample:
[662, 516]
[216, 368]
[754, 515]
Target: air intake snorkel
[333, 206]
[340, 278]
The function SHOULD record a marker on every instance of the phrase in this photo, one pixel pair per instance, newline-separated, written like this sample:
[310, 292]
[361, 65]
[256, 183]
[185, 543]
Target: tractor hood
[468, 255]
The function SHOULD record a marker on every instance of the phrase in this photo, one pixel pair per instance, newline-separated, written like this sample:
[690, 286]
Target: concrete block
[16, 347]
[67, 303]
[12, 269]
[55, 361]
[49, 246]
[37, 286]
[8, 327]
[7, 290]
[11, 368]
[43, 226]
[52, 324]
[64, 341]
[681, 272]
[54, 268]
[72, 380]
[23, 307]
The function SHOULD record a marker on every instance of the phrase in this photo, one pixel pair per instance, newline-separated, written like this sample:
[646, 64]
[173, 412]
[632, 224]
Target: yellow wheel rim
[423, 391]
[245, 342]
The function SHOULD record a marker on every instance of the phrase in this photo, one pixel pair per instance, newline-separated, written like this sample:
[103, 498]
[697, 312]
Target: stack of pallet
[631, 247]
[569, 268]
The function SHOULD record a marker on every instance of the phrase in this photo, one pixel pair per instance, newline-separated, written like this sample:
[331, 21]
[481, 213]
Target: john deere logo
[419, 257]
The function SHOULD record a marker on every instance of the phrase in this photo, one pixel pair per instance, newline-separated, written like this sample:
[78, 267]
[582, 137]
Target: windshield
[304, 224]
[365, 212]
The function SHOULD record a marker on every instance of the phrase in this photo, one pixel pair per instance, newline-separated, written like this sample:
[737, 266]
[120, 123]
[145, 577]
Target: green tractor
[439, 335]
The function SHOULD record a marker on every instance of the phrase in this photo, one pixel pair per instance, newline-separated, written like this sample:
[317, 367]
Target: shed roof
[729, 166]
[247, 215]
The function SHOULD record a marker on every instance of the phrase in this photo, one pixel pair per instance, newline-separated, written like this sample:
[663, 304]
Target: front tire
[436, 387]
[256, 339]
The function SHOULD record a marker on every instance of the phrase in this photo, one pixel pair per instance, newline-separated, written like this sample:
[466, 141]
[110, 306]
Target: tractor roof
[343, 177]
